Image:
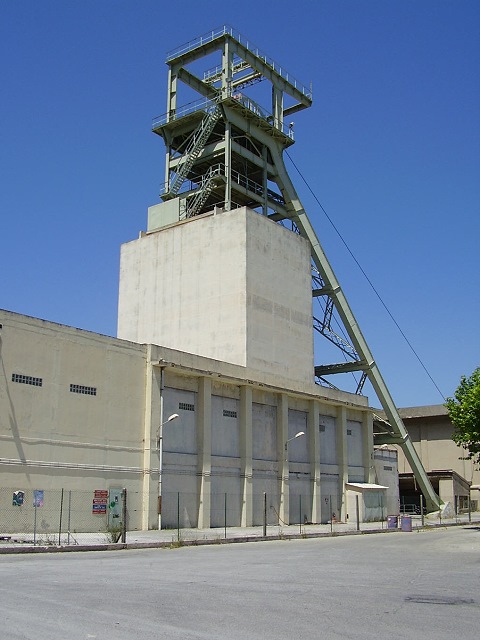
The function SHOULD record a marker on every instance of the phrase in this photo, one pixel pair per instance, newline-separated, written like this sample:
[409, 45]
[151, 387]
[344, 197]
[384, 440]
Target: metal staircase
[194, 149]
[200, 197]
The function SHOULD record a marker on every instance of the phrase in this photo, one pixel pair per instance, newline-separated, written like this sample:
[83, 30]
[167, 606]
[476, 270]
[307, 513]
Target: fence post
[469, 509]
[331, 514]
[69, 513]
[60, 523]
[35, 522]
[358, 512]
[421, 509]
[178, 516]
[124, 516]
[225, 516]
[264, 514]
[300, 514]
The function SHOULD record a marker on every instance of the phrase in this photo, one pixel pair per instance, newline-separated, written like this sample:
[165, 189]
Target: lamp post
[174, 416]
[297, 435]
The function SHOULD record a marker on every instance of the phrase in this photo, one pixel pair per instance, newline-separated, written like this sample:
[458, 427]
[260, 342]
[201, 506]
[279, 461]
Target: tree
[464, 412]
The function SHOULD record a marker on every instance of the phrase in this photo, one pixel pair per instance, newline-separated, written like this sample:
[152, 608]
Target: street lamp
[174, 416]
[297, 435]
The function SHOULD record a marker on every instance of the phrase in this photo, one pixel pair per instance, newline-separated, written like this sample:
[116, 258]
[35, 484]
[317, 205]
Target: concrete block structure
[232, 286]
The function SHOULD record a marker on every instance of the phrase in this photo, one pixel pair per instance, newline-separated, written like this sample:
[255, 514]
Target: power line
[366, 276]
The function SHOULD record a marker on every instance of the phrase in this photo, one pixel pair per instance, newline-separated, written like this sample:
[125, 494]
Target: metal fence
[56, 516]
[69, 517]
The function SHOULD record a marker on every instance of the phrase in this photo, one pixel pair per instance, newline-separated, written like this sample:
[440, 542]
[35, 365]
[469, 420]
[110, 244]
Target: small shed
[371, 501]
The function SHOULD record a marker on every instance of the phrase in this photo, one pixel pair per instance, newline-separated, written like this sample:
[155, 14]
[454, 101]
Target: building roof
[427, 411]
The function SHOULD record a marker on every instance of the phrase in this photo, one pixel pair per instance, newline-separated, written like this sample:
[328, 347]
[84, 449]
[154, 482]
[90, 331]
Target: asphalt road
[420, 585]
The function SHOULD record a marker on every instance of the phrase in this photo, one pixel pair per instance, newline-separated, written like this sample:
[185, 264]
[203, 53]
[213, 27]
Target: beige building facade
[453, 477]
[81, 411]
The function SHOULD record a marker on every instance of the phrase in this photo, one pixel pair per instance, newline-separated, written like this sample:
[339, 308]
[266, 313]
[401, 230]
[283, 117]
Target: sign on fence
[100, 501]
[18, 498]
[38, 498]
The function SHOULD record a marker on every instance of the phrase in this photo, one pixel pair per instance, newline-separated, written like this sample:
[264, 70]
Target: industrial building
[206, 403]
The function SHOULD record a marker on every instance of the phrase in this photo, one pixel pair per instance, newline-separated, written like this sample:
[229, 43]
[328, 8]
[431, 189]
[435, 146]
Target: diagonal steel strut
[298, 215]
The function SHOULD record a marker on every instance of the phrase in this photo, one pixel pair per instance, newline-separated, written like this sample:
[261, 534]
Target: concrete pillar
[342, 457]
[313, 434]
[283, 472]
[246, 452]
[204, 451]
[149, 501]
[367, 447]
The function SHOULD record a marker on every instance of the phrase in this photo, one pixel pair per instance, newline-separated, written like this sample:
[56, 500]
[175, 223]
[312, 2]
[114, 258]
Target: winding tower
[224, 151]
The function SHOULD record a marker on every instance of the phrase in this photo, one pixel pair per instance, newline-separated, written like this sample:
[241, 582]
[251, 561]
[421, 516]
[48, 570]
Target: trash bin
[406, 523]
[392, 522]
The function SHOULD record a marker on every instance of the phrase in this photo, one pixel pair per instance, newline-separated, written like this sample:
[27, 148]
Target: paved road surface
[420, 585]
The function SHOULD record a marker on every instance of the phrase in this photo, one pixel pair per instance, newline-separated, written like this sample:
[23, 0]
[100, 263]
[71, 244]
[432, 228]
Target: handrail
[204, 104]
[219, 169]
[217, 33]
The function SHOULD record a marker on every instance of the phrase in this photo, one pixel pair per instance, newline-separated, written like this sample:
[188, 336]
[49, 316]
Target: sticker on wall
[38, 498]
[18, 498]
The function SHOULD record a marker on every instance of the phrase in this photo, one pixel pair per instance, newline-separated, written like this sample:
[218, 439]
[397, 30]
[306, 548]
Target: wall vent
[186, 406]
[18, 377]
[86, 391]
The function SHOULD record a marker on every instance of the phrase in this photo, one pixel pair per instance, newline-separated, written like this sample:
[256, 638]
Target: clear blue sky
[391, 148]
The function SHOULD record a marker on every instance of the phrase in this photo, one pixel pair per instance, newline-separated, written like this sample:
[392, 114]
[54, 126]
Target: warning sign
[100, 500]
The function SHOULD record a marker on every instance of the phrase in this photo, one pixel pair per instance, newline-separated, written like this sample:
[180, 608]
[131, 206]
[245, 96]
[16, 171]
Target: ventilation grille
[86, 391]
[18, 377]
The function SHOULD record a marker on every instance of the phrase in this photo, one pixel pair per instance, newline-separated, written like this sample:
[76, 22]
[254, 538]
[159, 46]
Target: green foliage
[464, 412]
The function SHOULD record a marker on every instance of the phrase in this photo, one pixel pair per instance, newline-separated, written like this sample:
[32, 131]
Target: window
[86, 391]
[349, 432]
[18, 377]
[321, 428]
[229, 414]
[388, 468]
[186, 406]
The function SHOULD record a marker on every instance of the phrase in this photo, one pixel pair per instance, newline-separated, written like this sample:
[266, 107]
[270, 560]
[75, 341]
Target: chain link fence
[57, 516]
[70, 517]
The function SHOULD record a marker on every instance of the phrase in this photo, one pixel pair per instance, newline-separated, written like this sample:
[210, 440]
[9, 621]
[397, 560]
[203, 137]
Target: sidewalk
[24, 543]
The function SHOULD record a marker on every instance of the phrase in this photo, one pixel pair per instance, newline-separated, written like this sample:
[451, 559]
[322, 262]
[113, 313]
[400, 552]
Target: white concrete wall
[356, 472]
[234, 287]
[386, 474]
[279, 300]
